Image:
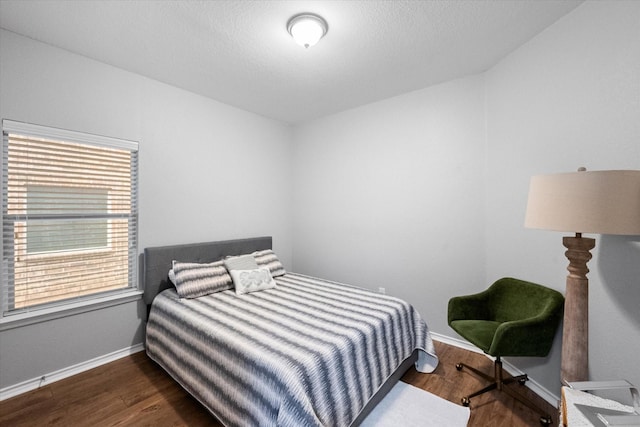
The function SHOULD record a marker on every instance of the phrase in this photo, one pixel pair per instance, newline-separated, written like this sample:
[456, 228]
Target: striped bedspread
[306, 353]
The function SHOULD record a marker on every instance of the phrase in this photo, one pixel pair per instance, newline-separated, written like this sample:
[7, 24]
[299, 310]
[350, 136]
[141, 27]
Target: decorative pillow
[267, 258]
[194, 280]
[247, 281]
[243, 262]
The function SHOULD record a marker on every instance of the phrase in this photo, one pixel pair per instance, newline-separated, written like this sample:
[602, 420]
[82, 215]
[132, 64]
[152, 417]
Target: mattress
[309, 352]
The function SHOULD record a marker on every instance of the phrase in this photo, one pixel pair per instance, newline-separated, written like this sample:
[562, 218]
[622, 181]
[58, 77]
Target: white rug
[409, 406]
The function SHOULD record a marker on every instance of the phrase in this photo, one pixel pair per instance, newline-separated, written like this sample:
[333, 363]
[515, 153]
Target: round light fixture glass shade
[307, 29]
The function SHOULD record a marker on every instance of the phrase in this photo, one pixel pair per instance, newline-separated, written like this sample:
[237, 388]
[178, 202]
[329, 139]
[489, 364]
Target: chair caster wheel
[459, 366]
[465, 401]
[546, 420]
[522, 381]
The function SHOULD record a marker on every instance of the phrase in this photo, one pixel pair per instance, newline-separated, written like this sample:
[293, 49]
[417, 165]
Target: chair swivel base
[497, 382]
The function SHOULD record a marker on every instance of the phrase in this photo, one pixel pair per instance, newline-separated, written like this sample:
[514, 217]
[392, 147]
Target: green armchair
[511, 318]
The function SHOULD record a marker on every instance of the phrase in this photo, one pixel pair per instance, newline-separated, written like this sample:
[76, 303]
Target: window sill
[12, 321]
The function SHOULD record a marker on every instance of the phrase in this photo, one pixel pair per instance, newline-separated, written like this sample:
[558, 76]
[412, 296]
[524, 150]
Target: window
[69, 216]
[49, 235]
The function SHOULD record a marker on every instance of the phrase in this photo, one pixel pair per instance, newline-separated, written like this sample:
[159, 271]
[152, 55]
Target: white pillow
[246, 281]
[243, 262]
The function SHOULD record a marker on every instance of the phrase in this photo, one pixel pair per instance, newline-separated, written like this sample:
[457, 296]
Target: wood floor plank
[134, 391]
[16, 411]
[170, 407]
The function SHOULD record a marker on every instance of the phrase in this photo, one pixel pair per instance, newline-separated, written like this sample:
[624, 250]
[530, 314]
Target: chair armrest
[467, 307]
[531, 337]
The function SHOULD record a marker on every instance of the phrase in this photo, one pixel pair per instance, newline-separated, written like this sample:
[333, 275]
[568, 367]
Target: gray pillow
[194, 280]
[268, 258]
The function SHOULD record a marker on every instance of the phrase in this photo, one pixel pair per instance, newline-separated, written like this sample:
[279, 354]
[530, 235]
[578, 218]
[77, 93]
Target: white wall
[391, 195]
[207, 172]
[425, 193]
[569, 98]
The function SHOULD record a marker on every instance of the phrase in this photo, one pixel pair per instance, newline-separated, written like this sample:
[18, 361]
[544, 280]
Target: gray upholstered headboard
[157, 260]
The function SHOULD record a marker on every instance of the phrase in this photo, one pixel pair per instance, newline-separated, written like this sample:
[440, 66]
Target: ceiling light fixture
[307, 29]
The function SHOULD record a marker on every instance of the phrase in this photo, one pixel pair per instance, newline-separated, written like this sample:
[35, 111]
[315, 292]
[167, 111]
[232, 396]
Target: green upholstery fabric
[511, 318]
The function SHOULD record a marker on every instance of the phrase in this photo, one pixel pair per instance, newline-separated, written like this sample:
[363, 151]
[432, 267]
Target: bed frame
[158, 261]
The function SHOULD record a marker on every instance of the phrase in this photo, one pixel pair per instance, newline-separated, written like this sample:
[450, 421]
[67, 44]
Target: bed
[306, 352]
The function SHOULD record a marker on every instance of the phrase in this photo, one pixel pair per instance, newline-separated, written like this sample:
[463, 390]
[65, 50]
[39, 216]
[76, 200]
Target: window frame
[10, 317]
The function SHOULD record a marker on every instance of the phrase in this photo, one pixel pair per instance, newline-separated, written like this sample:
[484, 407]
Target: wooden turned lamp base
[575, 332]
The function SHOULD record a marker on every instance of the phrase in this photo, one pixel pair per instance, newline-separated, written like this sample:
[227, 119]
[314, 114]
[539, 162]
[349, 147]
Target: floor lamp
[601, 202]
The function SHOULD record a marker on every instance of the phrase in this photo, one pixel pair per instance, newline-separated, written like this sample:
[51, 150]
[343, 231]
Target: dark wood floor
[134, 391]
[491, 409]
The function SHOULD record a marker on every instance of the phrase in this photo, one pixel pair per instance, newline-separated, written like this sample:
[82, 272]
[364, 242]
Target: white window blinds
[69, 216]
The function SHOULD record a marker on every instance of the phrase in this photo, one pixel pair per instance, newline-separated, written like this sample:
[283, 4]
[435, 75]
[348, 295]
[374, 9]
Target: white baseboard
[32, 384]
[538, 389]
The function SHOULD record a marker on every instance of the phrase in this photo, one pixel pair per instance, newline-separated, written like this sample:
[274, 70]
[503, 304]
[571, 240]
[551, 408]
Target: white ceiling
[239, 52]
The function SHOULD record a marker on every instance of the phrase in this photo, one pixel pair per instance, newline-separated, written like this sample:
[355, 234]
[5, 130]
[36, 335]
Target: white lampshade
[602, 202]
[307, 29]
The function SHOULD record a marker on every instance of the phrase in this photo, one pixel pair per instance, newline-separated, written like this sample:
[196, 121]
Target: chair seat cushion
[479, 332]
